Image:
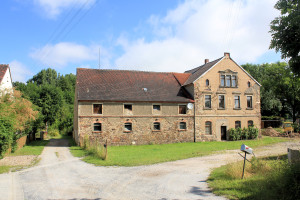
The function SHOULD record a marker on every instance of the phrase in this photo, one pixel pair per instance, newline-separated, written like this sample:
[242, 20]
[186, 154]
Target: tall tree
[285, 31]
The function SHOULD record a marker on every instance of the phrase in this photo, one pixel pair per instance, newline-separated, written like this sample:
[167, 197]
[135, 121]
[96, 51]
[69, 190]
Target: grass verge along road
[34, 148]
[151, 154]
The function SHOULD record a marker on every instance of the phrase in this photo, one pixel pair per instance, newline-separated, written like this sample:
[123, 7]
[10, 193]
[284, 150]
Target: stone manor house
[138, 107]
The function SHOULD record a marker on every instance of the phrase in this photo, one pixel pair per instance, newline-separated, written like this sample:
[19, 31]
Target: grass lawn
[33, 148]
[265, 178]
[150, 154]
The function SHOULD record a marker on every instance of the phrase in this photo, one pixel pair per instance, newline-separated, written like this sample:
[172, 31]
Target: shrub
[253, 132]
[6, 135]
[232, 135]
[296, 127]
[245, 134]
[53, 132]
[238, 133]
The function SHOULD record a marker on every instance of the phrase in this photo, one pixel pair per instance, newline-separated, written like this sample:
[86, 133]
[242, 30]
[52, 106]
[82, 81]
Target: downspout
[194, 122]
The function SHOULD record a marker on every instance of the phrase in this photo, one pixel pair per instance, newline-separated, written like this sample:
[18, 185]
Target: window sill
[221, 108]
[227, 87]
[127, 131]
[237, 109]
[97, 114]
[97, 132]
[181, 129]
[249, 108]
[207, 108]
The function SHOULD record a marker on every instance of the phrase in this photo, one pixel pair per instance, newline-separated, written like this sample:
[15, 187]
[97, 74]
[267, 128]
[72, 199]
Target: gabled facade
[5, 78]
[134, 107]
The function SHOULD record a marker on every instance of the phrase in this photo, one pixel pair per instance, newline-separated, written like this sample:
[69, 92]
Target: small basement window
[128, 127]
[182, 125]
[97, 127]
[97, 109]
[156, 126]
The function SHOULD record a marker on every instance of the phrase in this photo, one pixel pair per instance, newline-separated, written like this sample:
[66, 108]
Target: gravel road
[61, 176]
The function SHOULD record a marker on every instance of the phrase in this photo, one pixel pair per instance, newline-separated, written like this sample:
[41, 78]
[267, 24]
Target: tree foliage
[53, 94]
[280, 91]
[16, 115]
[285, 31]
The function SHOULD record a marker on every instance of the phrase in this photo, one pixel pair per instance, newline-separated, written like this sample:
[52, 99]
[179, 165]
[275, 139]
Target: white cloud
[19, 71]
[62, 54]
[196, 30]
[52, 8]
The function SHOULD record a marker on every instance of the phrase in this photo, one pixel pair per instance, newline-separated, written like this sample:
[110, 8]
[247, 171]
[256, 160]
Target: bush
[232, 135]
[253, 132]
[53, 132]
[238, 133]
[245, 134]
[6, 135]
[296, 127]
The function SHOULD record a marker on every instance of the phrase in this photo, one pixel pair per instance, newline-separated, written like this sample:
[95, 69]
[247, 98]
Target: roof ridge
[201, 66]
[130, 70]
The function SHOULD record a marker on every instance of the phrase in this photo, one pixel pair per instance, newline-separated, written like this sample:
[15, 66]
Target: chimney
[227, 55]
[206, 61]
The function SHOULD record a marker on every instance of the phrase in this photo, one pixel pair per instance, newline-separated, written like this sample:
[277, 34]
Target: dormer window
[207, 82]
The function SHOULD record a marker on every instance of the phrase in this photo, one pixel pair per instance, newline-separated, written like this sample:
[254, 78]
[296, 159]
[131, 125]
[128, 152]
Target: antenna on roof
[99, 57]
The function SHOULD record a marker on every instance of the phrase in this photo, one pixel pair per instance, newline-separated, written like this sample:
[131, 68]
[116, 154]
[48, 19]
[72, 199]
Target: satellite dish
[190, 106]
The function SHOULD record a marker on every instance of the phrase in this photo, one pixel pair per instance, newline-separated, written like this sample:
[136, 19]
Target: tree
[285, 32]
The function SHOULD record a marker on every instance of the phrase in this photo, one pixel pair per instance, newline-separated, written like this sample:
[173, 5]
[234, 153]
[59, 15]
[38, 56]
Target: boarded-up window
[97, 127]
[208, 128]
[156, 126]
[97, 109]
[182, 125]
[182, 109]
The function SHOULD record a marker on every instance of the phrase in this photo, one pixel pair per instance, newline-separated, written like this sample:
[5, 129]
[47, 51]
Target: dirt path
[61, 176]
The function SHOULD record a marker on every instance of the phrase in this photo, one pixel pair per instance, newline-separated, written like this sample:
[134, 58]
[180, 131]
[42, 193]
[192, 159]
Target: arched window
[207, 82]
[237, 124]
[156, 126]
[250, 123]
[208, 128]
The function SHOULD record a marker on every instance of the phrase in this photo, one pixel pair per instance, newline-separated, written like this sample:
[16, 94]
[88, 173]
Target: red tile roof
[126, 86]
[3, 69]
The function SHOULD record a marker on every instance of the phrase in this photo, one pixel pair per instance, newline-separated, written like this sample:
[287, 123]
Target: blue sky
[156, 35]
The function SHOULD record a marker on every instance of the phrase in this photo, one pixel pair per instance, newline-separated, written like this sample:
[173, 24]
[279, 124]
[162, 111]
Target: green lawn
[33, 148]
[150, 154]
[266, 178]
